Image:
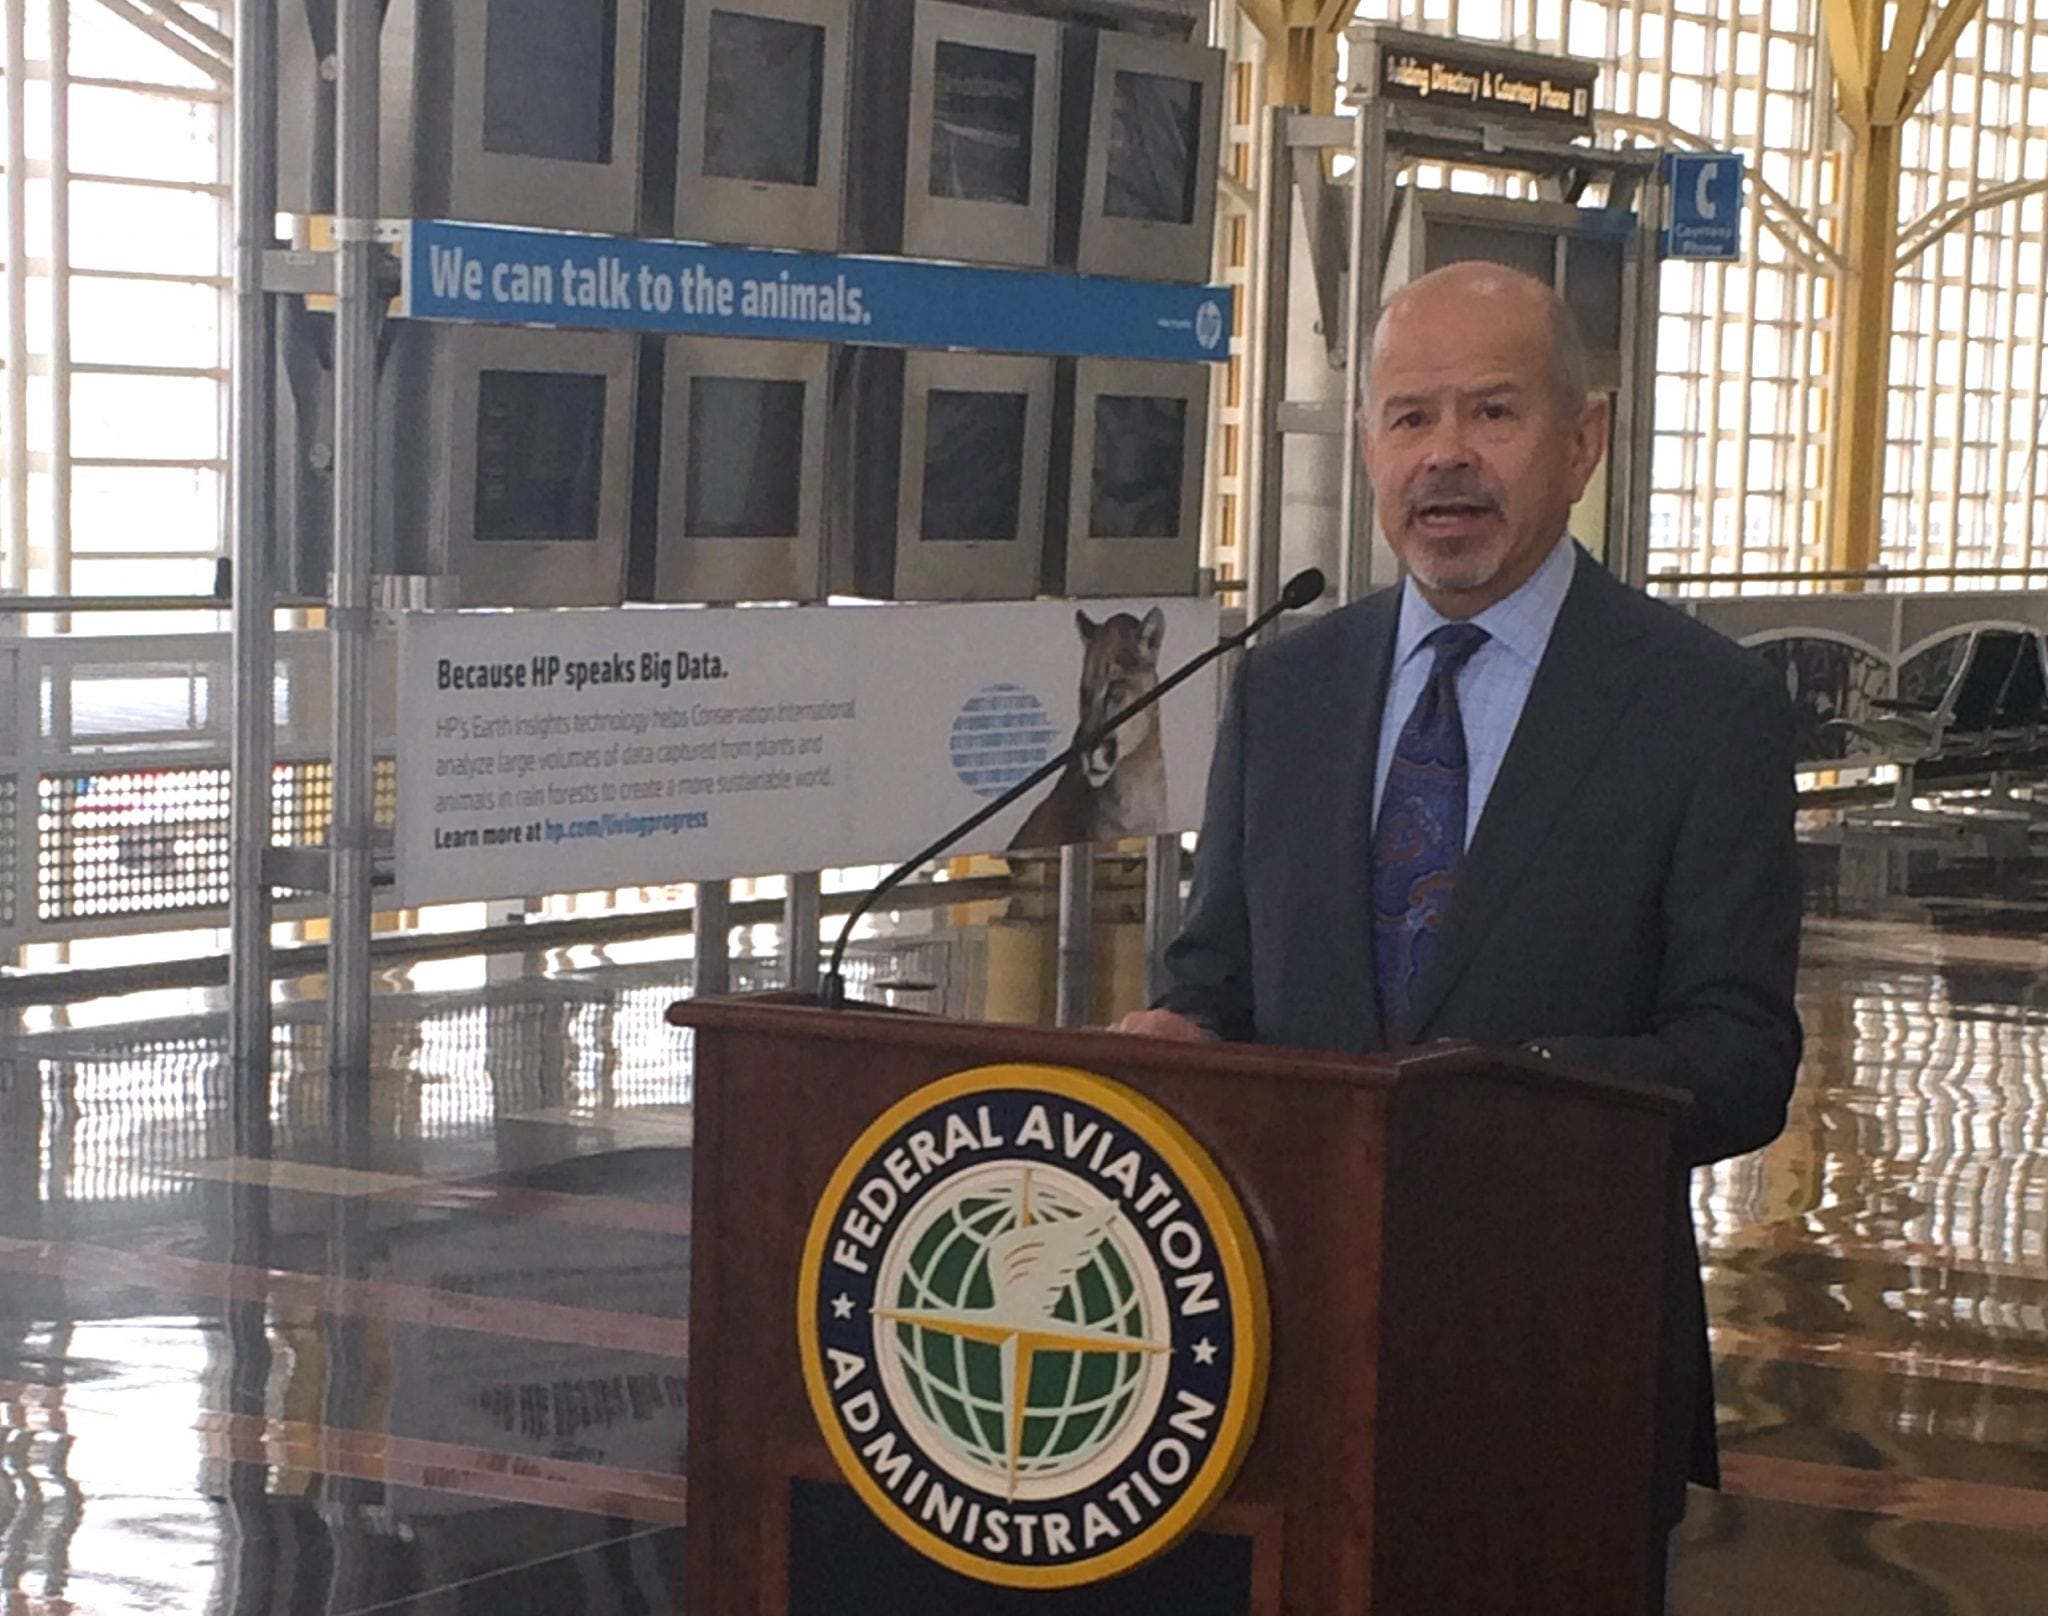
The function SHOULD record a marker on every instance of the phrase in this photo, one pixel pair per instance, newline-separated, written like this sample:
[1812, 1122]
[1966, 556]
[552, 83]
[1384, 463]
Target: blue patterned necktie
[1421, 833]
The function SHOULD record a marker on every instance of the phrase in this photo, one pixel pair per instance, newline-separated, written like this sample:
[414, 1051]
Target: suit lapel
[1586, 678]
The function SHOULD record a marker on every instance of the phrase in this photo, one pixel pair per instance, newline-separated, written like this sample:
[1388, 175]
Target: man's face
[1474, 460]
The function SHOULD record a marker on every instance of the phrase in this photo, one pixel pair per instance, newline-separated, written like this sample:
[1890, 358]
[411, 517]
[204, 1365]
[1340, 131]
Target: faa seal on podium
[1033, 1324]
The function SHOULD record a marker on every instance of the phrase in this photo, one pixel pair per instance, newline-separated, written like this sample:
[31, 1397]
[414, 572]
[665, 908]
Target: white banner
[587, 750]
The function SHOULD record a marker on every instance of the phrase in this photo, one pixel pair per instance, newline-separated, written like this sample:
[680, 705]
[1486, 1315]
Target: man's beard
[1478, 562]
[1463, 575]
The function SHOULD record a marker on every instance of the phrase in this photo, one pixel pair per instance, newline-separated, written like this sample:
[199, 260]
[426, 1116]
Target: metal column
[1633, 437]
[1271, 272]
[60, 297]
[356, 320]
[1162, 909]
[1370, 183]
[16, 573]
[246, 1333]
[1074, 1004]
[357, 317]
[800, 916]
[713, 930]
[255, 208]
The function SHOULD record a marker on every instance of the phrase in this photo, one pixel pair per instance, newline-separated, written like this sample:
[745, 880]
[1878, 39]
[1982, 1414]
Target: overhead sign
[503, 276]
[1705, 205]
[1033, 1325]
[1495, 83]
[646, 746]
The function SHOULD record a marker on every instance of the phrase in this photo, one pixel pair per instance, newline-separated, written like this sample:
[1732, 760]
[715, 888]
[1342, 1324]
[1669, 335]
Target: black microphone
[1302, 589]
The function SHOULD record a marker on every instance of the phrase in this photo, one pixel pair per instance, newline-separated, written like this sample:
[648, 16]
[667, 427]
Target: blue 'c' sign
[1705, 191]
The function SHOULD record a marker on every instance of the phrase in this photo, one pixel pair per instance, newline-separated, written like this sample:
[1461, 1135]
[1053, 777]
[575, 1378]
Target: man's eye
[1408, 421]
[1495, 411]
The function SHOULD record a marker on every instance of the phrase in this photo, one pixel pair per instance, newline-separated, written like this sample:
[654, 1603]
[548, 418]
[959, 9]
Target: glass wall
[1745, 350]
[120, 299]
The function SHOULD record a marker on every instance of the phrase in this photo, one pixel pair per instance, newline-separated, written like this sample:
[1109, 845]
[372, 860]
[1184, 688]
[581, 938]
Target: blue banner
[538, 277]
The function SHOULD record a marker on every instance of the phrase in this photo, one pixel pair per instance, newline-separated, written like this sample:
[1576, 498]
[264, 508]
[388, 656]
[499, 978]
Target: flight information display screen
[744, 471]
[539, 455]
[764, 99]
[1140, 461]
[1155, 145]
[973, 466]
[549, 67]
[982, 106]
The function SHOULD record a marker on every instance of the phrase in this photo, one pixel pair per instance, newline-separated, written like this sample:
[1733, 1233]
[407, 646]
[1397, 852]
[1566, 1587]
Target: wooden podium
[1463, 1250]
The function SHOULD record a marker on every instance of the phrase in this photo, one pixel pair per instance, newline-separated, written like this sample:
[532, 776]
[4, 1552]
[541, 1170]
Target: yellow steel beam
[1941, 45]
[1863, 309]
[1276, 18]
[1854, 65]
[1301, 49]
[1311, 69]
[1930, 227]
[1270, 17]
[1895, 63]
[1879, 88]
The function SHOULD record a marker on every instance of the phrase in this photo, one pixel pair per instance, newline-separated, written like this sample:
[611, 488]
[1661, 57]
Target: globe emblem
[1017, 1331]
[1208, 326]
[1000, 735]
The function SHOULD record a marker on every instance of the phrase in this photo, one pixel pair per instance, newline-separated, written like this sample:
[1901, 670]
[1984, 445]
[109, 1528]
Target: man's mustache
[1452, 488]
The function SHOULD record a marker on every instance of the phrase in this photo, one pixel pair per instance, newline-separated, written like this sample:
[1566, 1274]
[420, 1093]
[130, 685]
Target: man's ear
[1589, 440]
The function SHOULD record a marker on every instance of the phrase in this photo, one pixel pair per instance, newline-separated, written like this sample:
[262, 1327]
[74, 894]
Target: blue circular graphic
[1003, 732]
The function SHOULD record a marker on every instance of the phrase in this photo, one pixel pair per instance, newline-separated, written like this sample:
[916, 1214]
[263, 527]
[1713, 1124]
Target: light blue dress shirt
[1493, 686]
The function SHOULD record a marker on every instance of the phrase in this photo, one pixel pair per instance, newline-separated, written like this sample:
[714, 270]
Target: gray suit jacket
[1630, 899]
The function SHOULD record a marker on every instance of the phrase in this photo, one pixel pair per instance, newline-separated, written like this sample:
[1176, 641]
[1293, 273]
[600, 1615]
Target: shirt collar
[1521, 622]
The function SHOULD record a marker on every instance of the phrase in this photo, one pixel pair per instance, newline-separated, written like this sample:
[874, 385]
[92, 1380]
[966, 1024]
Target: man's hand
[1164, 1024]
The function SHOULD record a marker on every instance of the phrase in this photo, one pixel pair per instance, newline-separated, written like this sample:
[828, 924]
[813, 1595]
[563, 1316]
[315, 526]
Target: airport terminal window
[1745, 351]
[764, 99]
[1155, 140]
[744, 475]
[1140, 460]
[1966, 472]
[982, 103]
[539, 455]
[548, 68]
[973, 466]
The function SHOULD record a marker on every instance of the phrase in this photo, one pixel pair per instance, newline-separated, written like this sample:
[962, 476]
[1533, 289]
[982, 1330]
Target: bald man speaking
[1510, 799]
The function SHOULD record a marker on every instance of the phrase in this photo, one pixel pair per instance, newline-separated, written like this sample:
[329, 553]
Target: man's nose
[1448, 445]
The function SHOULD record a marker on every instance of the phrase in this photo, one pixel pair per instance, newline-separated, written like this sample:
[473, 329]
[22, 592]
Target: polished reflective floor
[423, 1349]
[1878, 1278]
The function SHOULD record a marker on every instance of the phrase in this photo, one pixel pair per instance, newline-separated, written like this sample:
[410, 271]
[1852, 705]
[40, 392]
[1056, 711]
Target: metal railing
[1872, 575]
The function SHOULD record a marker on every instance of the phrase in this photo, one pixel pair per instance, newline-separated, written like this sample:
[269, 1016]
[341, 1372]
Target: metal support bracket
[1319, 418]
[299, 274]
[1325, 211]
[1327, 221]
[1320, 132]
[308, 869]
[296, 869]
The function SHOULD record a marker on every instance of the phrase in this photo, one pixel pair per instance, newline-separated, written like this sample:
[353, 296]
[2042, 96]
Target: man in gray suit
[1511, 799]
